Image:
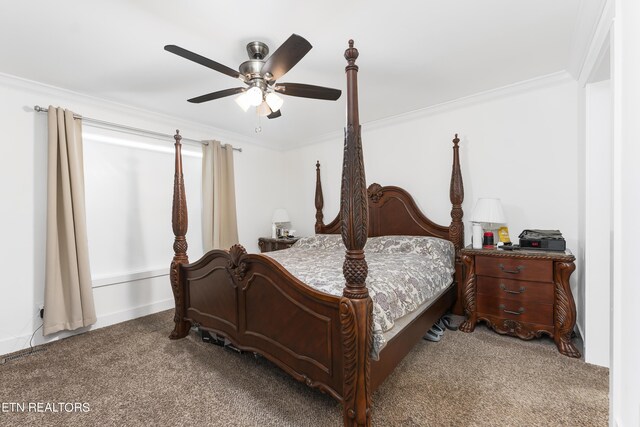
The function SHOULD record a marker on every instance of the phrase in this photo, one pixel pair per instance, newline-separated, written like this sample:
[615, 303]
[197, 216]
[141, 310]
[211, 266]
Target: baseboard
[12, 345]
[133, 313]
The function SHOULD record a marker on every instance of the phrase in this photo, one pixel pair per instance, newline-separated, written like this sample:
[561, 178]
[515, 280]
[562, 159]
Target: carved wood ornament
[564, 313]
[236, 265]
[456, 194]
[469, 295]
[179, 222]
[319, 199]
[355, 306]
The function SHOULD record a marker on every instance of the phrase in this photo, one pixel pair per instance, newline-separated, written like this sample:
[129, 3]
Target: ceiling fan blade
[286, 56]
[216, 95]
[274, 115]
[308, 91]
[203, 61]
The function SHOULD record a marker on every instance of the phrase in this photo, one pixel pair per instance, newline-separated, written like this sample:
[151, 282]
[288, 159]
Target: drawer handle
[516, 271]
[509, 291]
[519, 312]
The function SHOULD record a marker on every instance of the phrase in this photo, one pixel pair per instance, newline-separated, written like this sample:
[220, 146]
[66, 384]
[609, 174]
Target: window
[129, 187]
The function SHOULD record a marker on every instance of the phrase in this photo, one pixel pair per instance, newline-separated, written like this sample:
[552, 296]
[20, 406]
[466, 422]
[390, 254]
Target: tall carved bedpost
[179, 223]
[456, 228]
[456, 194]
[319, 200]
[355, 304]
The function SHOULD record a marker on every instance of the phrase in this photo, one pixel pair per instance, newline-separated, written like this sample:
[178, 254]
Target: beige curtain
[219, 222]
[68, 296]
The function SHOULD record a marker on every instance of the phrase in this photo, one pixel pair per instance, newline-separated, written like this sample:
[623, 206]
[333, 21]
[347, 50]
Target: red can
[487, 242]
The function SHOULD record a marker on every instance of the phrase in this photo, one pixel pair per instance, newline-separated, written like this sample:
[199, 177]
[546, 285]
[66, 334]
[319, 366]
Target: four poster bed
[323, 339]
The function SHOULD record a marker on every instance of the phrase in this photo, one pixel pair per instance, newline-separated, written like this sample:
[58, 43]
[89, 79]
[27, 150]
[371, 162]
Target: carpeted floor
[132, 374]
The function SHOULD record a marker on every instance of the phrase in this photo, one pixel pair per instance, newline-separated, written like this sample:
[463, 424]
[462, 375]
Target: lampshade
[274, 101]
[243, 101]
[254, 96]
[263, 109]
[280, 215]
[488, 211]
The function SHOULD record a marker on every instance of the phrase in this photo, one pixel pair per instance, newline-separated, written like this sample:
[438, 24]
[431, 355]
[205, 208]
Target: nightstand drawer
[508, 309]
[514, 268]
[516, 290]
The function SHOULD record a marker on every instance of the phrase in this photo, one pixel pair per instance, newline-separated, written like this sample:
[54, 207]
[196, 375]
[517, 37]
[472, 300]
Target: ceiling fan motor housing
[257, 52]
[251, 68]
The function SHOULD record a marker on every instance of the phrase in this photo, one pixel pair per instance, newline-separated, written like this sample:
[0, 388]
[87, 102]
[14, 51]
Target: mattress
[405, 273]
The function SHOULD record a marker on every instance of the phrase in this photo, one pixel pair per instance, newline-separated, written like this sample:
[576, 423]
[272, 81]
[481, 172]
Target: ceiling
[413, 54]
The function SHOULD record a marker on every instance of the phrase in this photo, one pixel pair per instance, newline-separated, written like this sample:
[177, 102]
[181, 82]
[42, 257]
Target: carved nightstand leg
[469, 295]
[564, 310]
[566, 347]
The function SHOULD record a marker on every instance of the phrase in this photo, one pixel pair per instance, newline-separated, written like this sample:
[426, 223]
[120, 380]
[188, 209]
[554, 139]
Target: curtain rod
[39, 109]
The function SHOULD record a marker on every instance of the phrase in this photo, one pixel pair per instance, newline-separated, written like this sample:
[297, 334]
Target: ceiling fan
[260, 73]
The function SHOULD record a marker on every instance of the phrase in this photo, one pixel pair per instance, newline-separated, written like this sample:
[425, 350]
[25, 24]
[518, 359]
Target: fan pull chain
[258, 128]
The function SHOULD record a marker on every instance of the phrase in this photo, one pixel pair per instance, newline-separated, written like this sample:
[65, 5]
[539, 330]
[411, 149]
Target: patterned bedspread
[404, 272]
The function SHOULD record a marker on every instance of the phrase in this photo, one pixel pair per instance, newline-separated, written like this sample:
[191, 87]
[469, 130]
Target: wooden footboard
[260, 307]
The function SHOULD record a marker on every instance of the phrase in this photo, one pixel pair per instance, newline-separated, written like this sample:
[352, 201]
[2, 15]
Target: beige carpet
[132, 374]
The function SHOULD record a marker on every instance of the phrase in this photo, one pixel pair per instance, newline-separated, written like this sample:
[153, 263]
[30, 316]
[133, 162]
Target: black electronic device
[509, 247]
[547, 240]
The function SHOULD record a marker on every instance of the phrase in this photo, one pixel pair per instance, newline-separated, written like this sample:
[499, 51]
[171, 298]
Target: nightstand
[269, 244]
[524, 293]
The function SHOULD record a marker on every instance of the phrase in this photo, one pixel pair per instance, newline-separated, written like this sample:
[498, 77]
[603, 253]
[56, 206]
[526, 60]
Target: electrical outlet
[41, 310]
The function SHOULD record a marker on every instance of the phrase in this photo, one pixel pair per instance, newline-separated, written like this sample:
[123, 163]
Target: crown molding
[597, 47]
[338, 135]
[54, 92]
[535, 83]
[586, 27]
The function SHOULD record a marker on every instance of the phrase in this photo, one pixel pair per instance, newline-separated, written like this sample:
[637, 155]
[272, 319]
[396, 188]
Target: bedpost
[355, 304]
[456, 229]
[456, 194]
[319, 200]
[179, 223]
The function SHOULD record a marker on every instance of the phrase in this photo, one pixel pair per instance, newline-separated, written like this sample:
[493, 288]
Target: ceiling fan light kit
[254, 96]
[260, 74]
[274, 101]
[263, 110]
[243, 102]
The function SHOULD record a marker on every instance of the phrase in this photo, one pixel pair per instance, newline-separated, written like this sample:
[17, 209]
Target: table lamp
[280, 216]
[488, 211]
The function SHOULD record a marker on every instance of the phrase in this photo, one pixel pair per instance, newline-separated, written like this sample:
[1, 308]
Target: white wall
[598, 226]
[625, 370]
[23, 173]
[518, 146]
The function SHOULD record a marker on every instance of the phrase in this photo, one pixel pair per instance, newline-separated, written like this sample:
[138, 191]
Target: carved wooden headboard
[392, 210]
